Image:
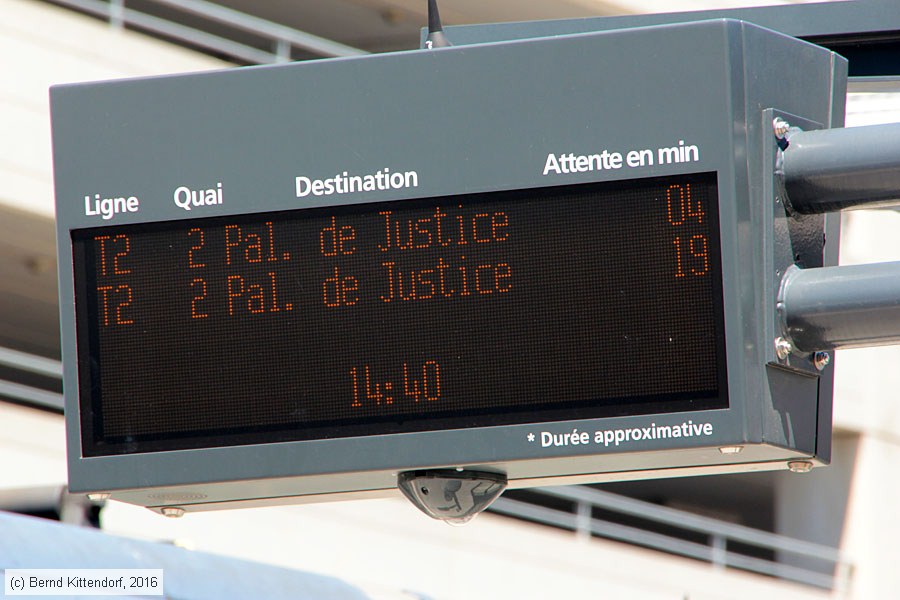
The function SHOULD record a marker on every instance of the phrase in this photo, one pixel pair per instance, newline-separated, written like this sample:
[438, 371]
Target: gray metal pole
[841, 307]
[833, 169]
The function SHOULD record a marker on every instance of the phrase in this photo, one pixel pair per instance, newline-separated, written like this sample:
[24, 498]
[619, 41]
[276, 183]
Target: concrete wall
[42, 45]
[32, 448]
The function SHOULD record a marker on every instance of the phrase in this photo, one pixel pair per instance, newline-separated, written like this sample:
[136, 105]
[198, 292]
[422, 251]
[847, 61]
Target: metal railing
[28, 394]
[834, 573]
[281, 39]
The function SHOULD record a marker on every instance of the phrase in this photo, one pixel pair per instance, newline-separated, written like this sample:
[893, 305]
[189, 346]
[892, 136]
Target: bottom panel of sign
[524, 474]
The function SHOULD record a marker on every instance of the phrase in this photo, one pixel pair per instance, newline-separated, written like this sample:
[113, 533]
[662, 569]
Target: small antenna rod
[436, 37]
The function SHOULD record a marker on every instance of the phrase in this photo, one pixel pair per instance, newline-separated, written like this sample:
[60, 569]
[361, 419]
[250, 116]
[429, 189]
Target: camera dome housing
[450, 495]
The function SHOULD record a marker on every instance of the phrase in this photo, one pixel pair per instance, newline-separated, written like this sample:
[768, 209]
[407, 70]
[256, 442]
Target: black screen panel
[511, 307]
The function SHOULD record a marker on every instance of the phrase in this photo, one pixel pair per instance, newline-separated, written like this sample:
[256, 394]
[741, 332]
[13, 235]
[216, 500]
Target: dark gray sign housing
[554, 259]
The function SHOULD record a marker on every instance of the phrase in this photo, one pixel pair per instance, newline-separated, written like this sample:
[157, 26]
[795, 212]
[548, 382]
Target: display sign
[538, 305]
[515, 260]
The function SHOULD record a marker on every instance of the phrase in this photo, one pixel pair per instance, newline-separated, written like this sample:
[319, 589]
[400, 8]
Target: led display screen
[529, 306]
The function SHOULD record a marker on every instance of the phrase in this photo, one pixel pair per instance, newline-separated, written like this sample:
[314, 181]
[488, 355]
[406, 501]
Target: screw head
[783, 348]
[800, 466]
[821, 360]
[781, 127]
[98, 496]
[173, 512]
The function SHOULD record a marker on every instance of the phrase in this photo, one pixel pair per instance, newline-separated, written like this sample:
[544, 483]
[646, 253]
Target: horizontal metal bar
[199, 38]
[850, 306]
[622, 533]
[30, 362]
[692, 522]
[651, 539]
[263, 27]
[267, 30]
[873, 85]
[526, 510]
[175, 31]
[657, 541]
[776, 569]
[31, 499]
[31, 395]
[835, 169]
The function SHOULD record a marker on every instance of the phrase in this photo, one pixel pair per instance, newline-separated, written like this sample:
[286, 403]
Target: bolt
[800, 466]
[781, 127]
[98, 496]
[783, 348]
[821, 360]
[173, 512]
